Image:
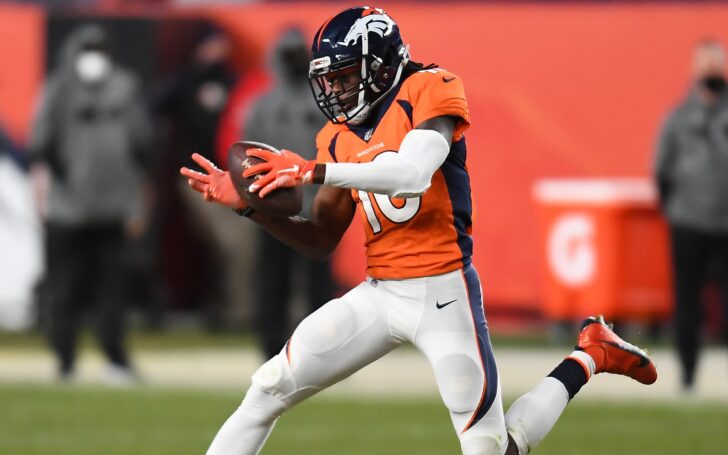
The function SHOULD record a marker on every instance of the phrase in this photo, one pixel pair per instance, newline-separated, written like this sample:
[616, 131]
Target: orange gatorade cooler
[604, 250]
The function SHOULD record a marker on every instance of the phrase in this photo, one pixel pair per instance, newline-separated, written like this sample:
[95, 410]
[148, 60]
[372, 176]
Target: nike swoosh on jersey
[447, 79]
[440, 306]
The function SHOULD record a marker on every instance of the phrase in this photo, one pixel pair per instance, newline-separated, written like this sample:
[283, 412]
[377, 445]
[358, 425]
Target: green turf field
[83, 420]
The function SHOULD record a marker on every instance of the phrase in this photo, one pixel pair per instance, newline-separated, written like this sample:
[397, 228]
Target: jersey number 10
[395, 214]
[389, 210]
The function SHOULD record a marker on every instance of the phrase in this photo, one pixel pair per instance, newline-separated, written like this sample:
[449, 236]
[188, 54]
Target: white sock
[585, 360]
[531, 417]
[247, 429]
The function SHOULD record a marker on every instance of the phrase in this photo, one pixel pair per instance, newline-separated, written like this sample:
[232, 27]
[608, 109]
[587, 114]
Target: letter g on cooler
[572, 255]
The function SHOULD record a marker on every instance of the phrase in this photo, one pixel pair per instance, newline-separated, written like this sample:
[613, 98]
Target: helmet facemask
[379, 74]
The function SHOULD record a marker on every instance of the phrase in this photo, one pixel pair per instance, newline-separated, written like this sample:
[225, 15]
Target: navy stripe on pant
[484, 347]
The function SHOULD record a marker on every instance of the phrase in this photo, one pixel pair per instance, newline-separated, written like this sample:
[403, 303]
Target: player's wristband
[246, 212]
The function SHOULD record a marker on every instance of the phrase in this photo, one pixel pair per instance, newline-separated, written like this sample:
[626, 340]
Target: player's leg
[533, 415]
[330, 344]
[598, 350]
[453, 334]
[454, 337]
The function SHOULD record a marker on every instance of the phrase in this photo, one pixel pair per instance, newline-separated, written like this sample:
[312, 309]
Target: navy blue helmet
[363, 40]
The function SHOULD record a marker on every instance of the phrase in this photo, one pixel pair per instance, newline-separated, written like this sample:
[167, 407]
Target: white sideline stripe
[405, 373]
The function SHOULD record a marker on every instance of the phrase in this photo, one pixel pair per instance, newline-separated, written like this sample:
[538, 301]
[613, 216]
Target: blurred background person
[92, 133]
[286, 117]
[191, 102]
[691, 170]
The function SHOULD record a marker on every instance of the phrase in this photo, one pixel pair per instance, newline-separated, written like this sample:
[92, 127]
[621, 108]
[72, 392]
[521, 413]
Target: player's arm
[331, 213]
[404, 174]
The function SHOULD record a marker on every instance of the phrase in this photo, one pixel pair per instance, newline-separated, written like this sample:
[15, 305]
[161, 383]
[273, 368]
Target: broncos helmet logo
[378, 22]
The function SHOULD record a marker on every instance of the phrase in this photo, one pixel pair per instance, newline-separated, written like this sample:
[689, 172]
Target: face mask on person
[92, 66]
[714, 83]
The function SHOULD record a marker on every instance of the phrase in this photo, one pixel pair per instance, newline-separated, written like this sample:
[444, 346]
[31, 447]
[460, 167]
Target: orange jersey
[420, 236]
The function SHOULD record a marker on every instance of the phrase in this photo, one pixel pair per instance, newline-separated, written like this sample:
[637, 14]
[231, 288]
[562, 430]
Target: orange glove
[281, 171]
[215, 186]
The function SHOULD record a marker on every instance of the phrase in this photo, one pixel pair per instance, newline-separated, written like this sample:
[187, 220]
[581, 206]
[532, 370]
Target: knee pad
[460, 380]
[274, 377]
[327, 329]
[484, 444]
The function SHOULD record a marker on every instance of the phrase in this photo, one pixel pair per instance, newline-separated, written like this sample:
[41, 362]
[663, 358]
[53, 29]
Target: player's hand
[215, 186]
[279, 171]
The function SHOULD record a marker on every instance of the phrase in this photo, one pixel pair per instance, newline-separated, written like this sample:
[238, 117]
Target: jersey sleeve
[326, 145]
[439, 93]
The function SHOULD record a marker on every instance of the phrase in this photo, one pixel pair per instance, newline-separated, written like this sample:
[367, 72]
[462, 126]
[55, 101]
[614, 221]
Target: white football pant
[442, 315]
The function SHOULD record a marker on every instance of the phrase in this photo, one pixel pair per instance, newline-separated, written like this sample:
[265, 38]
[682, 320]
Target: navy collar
[365, 132]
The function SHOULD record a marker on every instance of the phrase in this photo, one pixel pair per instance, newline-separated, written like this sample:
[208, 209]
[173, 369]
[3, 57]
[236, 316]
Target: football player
[394, 147]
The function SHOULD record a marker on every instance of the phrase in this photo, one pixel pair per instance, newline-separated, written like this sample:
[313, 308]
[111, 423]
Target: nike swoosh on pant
[440, 306]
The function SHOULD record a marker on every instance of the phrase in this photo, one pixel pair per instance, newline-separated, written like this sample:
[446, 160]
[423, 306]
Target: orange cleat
[612, 354]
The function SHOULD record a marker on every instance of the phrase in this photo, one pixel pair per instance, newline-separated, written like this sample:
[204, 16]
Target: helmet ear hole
[384, 69]
[384, 76]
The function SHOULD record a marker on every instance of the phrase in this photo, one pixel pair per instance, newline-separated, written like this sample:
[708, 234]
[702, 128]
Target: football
[281, 202]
